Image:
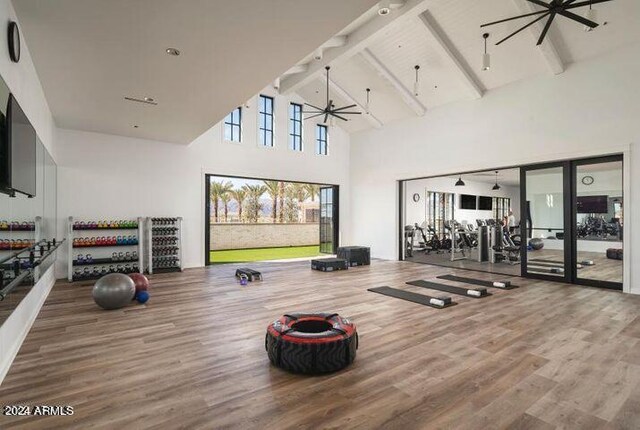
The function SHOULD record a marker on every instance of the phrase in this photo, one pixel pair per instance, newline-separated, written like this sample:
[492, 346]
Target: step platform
[252, 275]
[355, 255]
[329, 264]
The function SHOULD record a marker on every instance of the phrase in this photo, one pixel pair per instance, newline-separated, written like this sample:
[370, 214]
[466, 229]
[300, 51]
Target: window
[233, 126]
[265, 121]
[321, 139]
[295, 127]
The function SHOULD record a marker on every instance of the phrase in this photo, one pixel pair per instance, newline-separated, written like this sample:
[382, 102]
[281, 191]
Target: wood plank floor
[543, 356]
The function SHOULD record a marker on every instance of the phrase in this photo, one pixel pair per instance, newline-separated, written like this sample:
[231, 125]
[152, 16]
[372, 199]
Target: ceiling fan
[555, 7]
[330, 109]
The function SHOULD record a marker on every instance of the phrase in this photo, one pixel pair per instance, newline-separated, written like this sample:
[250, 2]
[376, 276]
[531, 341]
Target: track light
[384, 7]
[496, 187]
[416, 84]
[486, 58]
[460, 182]
[591, 15]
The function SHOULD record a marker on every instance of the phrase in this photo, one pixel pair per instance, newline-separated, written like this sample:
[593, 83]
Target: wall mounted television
[485, 203]
[17, 151]
[468, 201]
[593, 204]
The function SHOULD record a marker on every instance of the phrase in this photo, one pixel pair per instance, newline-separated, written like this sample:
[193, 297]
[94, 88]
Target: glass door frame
[567, 195]
[335, 220]
[574, 215]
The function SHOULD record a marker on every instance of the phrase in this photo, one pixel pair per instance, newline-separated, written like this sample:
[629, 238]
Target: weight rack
[164, 244]
[74, 232]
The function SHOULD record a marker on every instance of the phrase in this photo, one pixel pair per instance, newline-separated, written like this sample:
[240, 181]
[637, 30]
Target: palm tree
[239, 196]
[254, 192]
[282, 189]
[226, 198]
[313, 191]
[300, 192]
[216, 191]
[273, 191]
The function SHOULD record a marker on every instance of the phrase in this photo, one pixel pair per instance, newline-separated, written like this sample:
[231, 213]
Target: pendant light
[486, 58]
[591, 15]
[496, 187]
[366, 106]
[460, 182]
[416, 84]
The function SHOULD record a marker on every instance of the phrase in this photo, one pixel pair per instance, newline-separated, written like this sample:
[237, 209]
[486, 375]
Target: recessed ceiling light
[384, 7]
[172, 51]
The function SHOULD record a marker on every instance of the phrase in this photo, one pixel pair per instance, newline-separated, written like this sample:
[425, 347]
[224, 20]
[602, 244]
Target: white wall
[23, 81]
[590, 109]
[416, 212]
[103, 176]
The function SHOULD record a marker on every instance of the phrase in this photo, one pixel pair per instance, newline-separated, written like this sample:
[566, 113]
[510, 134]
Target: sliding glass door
[598, 213]
[545, 253]
[328, 219]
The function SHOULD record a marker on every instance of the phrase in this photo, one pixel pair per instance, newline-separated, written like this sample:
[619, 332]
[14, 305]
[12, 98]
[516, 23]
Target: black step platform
[504, 285]
[329, 264]
[252, 275]
[355, 255]
[476, 293]
[434, 302]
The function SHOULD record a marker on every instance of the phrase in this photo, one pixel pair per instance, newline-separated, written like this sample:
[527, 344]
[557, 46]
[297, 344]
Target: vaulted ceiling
[444, 37]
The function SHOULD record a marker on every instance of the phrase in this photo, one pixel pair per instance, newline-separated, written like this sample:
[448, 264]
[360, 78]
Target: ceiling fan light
[486, 62]
[592, 15]
[460, 182]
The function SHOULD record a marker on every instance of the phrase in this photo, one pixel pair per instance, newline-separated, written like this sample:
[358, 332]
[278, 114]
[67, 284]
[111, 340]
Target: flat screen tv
[17, 151]
[593, 205]
[467, 201]
[485, 203]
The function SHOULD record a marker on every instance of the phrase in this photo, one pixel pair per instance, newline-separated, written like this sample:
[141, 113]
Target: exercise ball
[141, 281]
[536, 243]
[114, 291]
[142, 296]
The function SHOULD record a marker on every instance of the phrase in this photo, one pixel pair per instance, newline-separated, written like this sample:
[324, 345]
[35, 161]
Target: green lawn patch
[260, 254]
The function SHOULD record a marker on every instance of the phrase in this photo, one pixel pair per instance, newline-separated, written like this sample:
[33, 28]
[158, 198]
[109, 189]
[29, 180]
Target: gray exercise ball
[536, 243]
[114, 291]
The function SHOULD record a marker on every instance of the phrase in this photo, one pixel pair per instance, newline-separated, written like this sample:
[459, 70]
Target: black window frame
[233, 125]
[295, 118]
[263, 132]
[320, 141]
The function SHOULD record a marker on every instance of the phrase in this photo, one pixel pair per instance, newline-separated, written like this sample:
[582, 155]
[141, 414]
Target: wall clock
[416, 197]
[587, 180]
[14, 42]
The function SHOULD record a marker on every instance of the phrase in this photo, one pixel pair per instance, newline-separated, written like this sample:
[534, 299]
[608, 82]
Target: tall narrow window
[233, 126]
[321, 139]
[295, 127]
[265, 121]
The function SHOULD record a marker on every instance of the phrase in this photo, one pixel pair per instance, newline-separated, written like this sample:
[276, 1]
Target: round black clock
[14, 42]
[416, 197]
[587, 180]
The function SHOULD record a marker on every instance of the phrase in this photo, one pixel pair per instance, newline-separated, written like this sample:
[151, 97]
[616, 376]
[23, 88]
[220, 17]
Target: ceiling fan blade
[546, 28]
[313, 116]
[578, 18]
[568, 2]
[315, 107]
[347, 113]
[326, 117]
[540, 3]
[526, 26]
[343, 108]
[515, 17]
[342, 118]
[583, 3]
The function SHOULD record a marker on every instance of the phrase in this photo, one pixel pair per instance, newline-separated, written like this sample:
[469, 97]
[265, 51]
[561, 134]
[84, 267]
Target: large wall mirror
[25, 220]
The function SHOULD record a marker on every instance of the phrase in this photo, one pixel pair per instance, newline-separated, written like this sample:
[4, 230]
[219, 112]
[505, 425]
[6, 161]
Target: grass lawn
[259, 254]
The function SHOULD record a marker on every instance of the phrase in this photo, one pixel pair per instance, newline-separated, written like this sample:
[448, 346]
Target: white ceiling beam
[335, 42]
[547, 50]
[406, 95]
[356, 42]
[441, 43]
[346, 96]
[300, 68]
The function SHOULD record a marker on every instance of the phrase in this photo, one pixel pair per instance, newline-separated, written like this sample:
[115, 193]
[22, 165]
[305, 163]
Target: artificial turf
[260, 254]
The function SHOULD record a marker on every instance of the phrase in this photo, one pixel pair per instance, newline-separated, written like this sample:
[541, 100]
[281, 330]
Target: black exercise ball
[536, 243]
